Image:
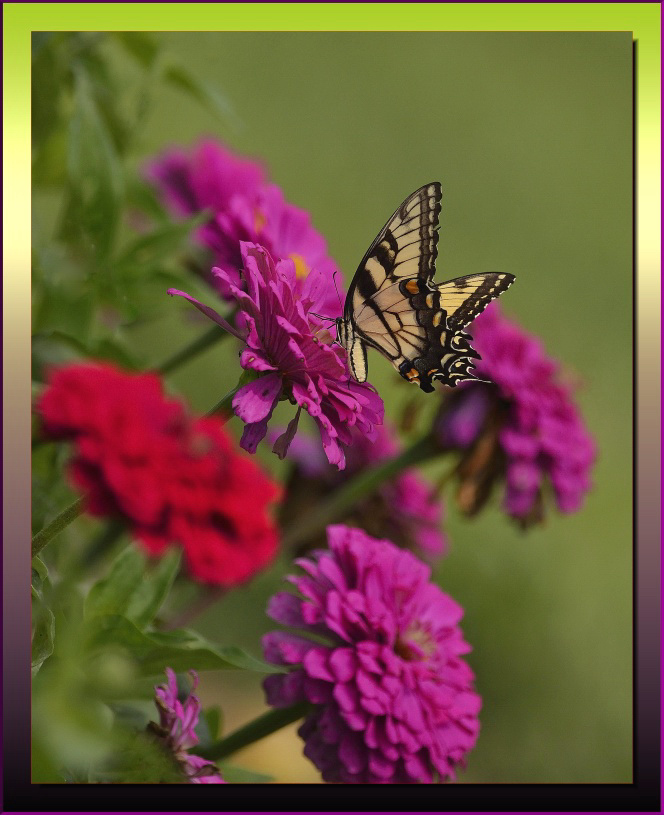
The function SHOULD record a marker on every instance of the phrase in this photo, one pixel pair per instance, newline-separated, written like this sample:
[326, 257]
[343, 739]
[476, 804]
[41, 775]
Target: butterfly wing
[375, 309]
[394, 306]
[465, 297]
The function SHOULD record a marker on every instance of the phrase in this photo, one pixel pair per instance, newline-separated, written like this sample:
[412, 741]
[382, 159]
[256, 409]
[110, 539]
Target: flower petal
[209, 312]
[256, 400]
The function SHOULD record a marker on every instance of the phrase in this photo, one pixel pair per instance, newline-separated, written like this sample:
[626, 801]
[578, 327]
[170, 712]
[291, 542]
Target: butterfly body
[394, 305]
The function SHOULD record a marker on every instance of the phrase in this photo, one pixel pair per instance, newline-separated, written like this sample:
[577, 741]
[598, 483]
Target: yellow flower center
[259, 220]
[301, 268]
[416, 644]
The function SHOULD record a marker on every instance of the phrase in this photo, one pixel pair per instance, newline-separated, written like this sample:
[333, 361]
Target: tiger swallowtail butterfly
[394, 305]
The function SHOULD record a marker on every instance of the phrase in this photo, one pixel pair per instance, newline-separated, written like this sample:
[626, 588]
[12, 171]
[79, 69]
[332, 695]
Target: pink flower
[404, 508]
[523, 427]
[392, 699]
[244, 207]
[176, 728]
[294, 357]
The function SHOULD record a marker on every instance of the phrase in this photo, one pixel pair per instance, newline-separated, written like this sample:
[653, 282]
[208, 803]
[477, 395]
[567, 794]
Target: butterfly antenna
[323, 317]
[334, 277]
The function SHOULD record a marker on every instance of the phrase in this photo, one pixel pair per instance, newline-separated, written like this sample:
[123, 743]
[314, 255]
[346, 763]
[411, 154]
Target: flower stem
[201, 343]
[56, 526]
[263, 726]
[362, 486]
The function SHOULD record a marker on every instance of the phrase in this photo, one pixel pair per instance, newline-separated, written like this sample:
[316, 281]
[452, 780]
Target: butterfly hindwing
[465, 297]
[394, 306]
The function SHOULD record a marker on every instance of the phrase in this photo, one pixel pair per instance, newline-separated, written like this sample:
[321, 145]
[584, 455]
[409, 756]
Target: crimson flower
[173, 479]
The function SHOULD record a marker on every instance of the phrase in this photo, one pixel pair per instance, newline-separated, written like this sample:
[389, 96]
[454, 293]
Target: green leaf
[39, 574]
[238, 775]
[207, 728]
[180, 650]
[63, 299]
[203, 92]
[116, 350]
[113, 594]
[163, 242]
[139, 44]
[213, 719]
[58, 347]
[144, 197]
[50, 160]
[153, 589]
[50, 81]
[95, 175]
[43, 619]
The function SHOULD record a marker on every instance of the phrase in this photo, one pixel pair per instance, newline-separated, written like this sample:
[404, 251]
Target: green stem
[362, 486]
[202, 343]
[263, 726]
[57, 525]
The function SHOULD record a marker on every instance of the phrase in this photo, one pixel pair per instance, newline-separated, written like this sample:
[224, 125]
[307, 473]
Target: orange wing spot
[413, 286]
[432, 371]
[412, 374]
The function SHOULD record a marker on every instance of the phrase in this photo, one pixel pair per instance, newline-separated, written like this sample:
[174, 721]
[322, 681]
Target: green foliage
[108, 653]
[104, 254]
[43, 619]
[238, 775]
[152, 651]
[209, 725]
[129, 590]
[99, 265]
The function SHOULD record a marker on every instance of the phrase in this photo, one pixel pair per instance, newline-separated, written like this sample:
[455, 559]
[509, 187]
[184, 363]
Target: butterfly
[394, 306]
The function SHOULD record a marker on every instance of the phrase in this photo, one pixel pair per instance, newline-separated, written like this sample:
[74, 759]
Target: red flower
[172, 478]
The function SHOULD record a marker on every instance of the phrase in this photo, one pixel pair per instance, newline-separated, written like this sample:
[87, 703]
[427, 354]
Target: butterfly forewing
[394, 305]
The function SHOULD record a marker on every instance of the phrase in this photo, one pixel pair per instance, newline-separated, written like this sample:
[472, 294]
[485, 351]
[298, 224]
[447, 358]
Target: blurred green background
[531, 137]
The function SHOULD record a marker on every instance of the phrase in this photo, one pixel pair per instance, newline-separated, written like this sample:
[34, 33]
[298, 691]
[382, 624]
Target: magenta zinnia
[523, 426]
[177, 729]
[392, 701]
[243, 207]
[294, 357]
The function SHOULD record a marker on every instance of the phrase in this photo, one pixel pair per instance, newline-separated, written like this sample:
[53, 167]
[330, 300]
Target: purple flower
[392, 700]
[294, 357]
[177, 723]
[523, 427]
[244, 207]
[405, 508]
